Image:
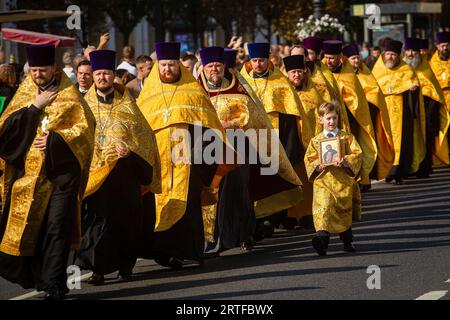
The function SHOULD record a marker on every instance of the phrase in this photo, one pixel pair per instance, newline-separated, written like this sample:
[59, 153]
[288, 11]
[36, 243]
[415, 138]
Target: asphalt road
[405, 232]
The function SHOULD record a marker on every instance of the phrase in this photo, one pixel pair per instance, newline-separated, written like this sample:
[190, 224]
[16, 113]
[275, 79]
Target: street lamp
[318, 8]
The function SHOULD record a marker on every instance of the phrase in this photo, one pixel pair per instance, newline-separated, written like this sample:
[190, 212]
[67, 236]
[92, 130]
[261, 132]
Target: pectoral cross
[44, 124]
[389, 88]
[166, 115]
[101, 139]
[444, 76]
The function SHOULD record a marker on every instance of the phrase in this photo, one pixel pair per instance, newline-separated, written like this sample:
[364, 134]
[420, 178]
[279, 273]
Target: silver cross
[166, 115]
[44, 124]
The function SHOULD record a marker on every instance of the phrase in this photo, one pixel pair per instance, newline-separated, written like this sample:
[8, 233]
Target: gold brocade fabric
[323, 75]
[71, 118]
[170, 108]
[394, 82]
[186, 101]
[275, 92]
[311, 100]
[125, 125]
[385, 145]
[336, 197]
[441, 70]
[431, 88]
[234, 105]
[356, 102]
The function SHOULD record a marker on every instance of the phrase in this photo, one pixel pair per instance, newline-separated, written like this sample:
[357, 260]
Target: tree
[126, 14]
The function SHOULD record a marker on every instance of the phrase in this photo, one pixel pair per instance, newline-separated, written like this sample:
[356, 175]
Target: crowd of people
[100, 158]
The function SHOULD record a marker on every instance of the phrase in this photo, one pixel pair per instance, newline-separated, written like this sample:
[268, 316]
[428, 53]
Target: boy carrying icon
[336, 196]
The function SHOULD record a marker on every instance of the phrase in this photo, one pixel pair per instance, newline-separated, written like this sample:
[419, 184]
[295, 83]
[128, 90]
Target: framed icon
[329, 151]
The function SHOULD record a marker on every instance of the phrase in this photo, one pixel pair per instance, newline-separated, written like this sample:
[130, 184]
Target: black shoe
[125, 275]
[268, 229]
[246, 246]
[96, 279]
[319, 245]
[54, 293]
[399, 181]
[349, 248]
[389, 179]
[175, 263]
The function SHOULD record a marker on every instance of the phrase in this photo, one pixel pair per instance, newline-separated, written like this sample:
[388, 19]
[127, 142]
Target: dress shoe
[246, 246]
[96, 279]
[125, 275]
[175, 263]
[349, 248]
[319, 245]
[54, 294]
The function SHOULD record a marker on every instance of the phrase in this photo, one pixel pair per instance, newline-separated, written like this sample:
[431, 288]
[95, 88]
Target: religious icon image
[329, 151]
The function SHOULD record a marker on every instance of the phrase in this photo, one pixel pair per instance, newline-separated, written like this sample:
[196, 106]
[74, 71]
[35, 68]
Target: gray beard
[389, 64]
[413, 62]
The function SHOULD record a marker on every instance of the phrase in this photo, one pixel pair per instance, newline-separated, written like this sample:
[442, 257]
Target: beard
[413, 62]
[168, 77]
[444, 55]
[390, 63]
[105, 89]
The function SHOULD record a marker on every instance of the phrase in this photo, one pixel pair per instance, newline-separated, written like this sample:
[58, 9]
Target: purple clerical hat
[167, 50]
[229, 57]
[41, 55]
[313, 43]
[294, 62]
[259, 50]
[412, 44]
[350, 50]
[211, 54]
[443, 37]
[394, 46]
[424, 44]
[103, 60]
[333, 47]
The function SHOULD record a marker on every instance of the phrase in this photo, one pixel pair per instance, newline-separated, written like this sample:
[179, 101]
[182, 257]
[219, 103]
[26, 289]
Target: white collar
[334, 132]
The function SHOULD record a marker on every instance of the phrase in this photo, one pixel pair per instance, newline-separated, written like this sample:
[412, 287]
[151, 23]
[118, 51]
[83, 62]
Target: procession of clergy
[112, 179]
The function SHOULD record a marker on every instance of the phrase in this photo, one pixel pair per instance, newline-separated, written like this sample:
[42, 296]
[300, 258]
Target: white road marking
[433, 295]
[35, 293]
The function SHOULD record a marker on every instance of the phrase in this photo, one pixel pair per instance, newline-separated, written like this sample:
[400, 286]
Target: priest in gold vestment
[356, 106]
[378, 113]
[180, 112]
[282, 105]
[46, 146]
[116, 217]
[247, 184]
[436, 110]
[440, 64]
[404, 100]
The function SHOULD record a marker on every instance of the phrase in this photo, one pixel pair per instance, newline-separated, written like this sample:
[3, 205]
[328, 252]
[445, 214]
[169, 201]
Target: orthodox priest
[355, 104]
[245, 185]
[436, 110]
[299, 76]
[125, 161]
[378, 113]
[179, 111]
[440, 64]
[401, 88]
[46, 146]
[282, 105]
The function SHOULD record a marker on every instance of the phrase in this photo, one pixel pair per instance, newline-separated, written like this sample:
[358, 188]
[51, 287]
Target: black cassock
[432, 117]
[290, 140]
[47, 267]
[410, 112]
[185, 239]
[114, 218]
